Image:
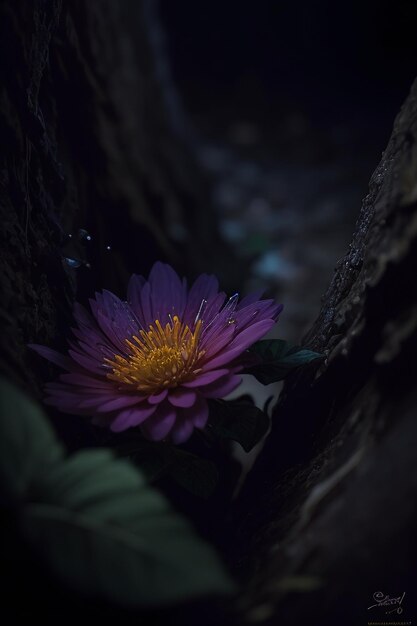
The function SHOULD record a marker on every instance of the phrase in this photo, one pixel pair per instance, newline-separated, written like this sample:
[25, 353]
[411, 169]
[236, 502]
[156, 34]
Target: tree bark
[87, 143]
[329, 511]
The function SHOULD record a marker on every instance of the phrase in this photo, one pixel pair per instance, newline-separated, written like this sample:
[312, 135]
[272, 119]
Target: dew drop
[84, 235]
[108, 248]
[72, 263]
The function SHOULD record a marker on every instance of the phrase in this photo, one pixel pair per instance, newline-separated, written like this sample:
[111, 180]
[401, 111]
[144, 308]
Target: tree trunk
[87, 143]
[329, 511]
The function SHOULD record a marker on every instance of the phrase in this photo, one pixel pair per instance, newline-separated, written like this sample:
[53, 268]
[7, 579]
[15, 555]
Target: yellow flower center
[159, 358]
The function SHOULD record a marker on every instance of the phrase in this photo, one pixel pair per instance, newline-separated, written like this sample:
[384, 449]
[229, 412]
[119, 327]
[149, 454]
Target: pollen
[160, 358]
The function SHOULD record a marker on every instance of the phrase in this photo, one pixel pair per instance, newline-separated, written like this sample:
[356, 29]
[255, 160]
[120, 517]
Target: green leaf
[239, 420]
[277, 359]
[27, 443]
[97, 524]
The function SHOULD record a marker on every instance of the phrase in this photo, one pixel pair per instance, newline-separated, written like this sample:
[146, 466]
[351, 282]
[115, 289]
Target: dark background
[291, 105]
[336, 63]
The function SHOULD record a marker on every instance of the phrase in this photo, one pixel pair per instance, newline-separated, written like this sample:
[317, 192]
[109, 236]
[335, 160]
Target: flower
[154, 360]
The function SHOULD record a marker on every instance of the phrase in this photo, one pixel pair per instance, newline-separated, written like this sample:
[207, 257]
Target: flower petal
[84, 380]
[221, 388]
[87, 362]
[182, 431]
[188, 419]
[169, 293]
[161, 424]
[182, 397]
[206, 288]
[132, 417]
[55, 357]
[134, 289]
[198, 414]
[240, 343]
[205, 379]
[120, 402]
[157, 398]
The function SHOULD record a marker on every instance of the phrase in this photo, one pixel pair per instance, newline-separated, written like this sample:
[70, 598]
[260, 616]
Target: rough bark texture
[329, 511]
[87, 142]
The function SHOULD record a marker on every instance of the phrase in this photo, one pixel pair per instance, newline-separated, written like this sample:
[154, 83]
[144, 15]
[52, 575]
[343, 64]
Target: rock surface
[329, 511]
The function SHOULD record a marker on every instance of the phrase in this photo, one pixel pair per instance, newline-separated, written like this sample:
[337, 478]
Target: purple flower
[154, 360]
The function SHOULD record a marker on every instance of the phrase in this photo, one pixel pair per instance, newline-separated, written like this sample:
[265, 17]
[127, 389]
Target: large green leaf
[239, 420]
[96, 522]
[277, 358]
[27, 443]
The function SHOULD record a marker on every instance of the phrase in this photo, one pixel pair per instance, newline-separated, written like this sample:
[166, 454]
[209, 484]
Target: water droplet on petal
[72, 263]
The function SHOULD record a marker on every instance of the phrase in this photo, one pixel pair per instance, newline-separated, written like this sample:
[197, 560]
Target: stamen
[158, 358]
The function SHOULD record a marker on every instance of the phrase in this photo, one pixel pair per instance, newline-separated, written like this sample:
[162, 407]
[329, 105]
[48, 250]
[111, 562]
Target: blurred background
[288, 106]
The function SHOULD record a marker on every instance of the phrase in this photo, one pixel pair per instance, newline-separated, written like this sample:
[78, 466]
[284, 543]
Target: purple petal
[145, 311]
[199, 413]
[75, 390]
[90, 350]
[213, 344]
[134, 289]
[264, 309]
[213, 307]
[181, 431]
[221, 388]
[168, 293]
[158, 397]
[182, 398]
[240, 343]
[205, 379]
[54, 356]
[132, 417]
[161, 424]
[188, 418]
[94, 402]
[197, 416]
[120, 403]
[86, 381]
[86, 362]
[204, 288]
